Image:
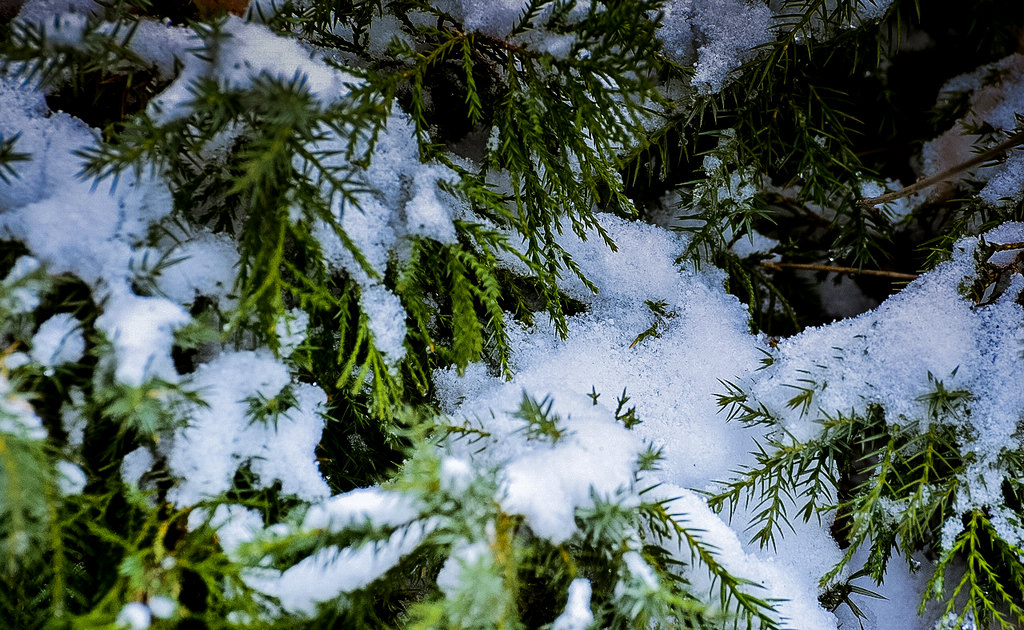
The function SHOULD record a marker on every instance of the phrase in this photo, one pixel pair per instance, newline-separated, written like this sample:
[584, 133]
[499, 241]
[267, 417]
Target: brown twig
[984, 156]
[999, 247]
[895, 275]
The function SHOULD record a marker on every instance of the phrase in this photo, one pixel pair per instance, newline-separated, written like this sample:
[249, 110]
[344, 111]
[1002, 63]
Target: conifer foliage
[313, 313]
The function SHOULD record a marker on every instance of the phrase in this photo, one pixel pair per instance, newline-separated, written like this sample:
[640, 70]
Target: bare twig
[984, 156]
[895, 275]
[999, 247]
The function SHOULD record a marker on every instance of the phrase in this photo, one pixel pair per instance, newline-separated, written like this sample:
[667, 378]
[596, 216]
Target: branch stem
[989, 154]
[895, 275]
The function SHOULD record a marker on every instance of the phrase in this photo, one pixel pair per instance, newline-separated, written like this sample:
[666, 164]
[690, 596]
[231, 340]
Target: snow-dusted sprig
[893, 487]
[736, 595]
[593, 101]
[992, 576]
[43, 50]
[438, 547]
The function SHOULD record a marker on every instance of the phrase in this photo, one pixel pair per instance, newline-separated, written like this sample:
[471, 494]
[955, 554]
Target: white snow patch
[59, 340]
[134, 615]
[331, 571]
[373, 506]
[577, 614]
[275, 451]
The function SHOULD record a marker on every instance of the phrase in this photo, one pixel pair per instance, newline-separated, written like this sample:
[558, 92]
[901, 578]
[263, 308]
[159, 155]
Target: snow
[754, 243]
[896, 210]
[545, 484]
[20, 293]
[717, 36]
[235, 525]
[456, 474]
[726, 32]
[331, 571]
[71, 478]
[202, 263]
[889, 355]
[490, 17]
[249, 52]
[58, 340]
[789, 574]
[291, 330]
[73, 421]
[17, 416]
[161, 45]
[63, 31]
[136, 464]
[450, 578]
[707, 337]
[382, 31]
[640, 570]
[162, 607]
[386, 319]
[1006, 186]
[677, 406]
[404, 200]
[993, 103]
[142, 332]
[577, 614]
[134, 615]
[365, 505]
[274, 451]
[42, 10]
[426, 215]
[71, 226]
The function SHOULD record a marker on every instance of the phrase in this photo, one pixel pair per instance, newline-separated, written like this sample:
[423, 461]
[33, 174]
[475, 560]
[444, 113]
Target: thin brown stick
[999, 247]
[984, 156]
[895, 275]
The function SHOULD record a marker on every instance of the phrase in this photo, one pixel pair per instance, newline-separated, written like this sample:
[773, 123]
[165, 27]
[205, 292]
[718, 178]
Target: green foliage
[891, 487]
[481, 567]
[540, 423]
[26, 484]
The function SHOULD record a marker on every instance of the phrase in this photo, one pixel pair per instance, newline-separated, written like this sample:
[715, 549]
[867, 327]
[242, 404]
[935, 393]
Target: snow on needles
[719, 34]
[275, 449]
[247, 52]
[890, 356]
[58, 341]
[671, 380]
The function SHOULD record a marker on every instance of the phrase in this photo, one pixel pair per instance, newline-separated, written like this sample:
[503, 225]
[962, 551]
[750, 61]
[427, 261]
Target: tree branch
[1014, 140]
[895, 275]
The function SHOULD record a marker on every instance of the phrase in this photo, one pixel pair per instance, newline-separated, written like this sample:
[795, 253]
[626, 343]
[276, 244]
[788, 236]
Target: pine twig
[1014, 140]
[895, 275]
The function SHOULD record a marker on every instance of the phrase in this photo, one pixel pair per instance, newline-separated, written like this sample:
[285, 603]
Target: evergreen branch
[987, 598]
[733, 591]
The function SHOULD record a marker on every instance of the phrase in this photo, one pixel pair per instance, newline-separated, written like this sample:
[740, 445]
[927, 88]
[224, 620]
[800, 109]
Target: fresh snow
[134, 616]
[275, 450]
[58, 341]
[248, 52]
[332, 571]
[577, 615]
